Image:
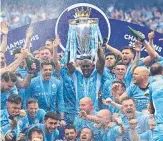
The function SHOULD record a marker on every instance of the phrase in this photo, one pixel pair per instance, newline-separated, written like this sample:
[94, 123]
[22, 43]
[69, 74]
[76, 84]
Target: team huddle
[115, 97]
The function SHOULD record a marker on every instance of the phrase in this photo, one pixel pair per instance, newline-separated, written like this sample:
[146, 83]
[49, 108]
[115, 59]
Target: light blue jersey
[158, 133]
[22, 71]
[142, 125]
[39, 118]
[107, 75]
[48, 137]
[137, 94]
[80, 123]
[146, 136]
[155, 96]
[22, 123]
[112, 133]
[107, 92]
[48, 93]
[128, 75]
[155, 78]
[87, 87]
[5, 95]
[69, 95]
[22, 91]
[160, 60]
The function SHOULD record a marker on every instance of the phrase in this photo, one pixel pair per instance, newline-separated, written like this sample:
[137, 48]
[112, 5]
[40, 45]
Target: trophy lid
[82, 17]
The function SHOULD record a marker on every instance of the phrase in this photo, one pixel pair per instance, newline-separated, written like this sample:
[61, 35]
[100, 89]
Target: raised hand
[22, 113]
[83, 114]
[133, 123]
[4, 27]
[118, 120]
[115, 116]
[137, 46]
[24, 53]
[62, 123]
[29, 33]
[115, 89]
[151, 35]
[13, 123]
[9, 136]
[56, 42]
[107, 101]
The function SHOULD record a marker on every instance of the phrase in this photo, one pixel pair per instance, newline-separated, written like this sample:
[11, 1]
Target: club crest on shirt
[36, 121]
[53, 86]
[20, 122]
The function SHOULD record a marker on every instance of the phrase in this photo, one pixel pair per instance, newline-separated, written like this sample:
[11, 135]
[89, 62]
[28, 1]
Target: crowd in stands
[19, 15]
[114, 97]
[151, 17]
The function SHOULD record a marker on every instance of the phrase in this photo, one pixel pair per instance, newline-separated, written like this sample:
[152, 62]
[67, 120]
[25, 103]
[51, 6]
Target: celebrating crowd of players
[115, 97]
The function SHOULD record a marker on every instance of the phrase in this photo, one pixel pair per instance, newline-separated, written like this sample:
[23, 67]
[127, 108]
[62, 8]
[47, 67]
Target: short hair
[16, 51]
[43, 48]
[120, 82]
[130, 48]
[51, 115]
[47, 62]
[14, 98]
[9, 76]
[35, 52]
[120, 63]
[70, 127]
[51, 39]
[32, 130]
[31, 100]
[156, 69]
[110, 53]
[128, 98]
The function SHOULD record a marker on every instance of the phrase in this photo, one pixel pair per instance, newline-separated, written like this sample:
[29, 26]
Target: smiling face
[70, 135]
[120, 71]
[32, 109]
[50, 125]
[45, 54]
[86, 67]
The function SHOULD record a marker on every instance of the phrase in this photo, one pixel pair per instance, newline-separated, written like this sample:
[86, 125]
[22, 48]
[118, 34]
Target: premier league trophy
[83, 36]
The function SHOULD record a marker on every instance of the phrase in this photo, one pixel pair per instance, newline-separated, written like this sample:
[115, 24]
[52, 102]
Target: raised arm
[24, 83]
[55, 51]
[148, 59]
[12, 67]
[151, 36]
[4, 31]
[149, 49]
[29, 34]
[134, 136]
[109, 101]
[117, 96]
[113, 50]
[101, 60]
[137, 48]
